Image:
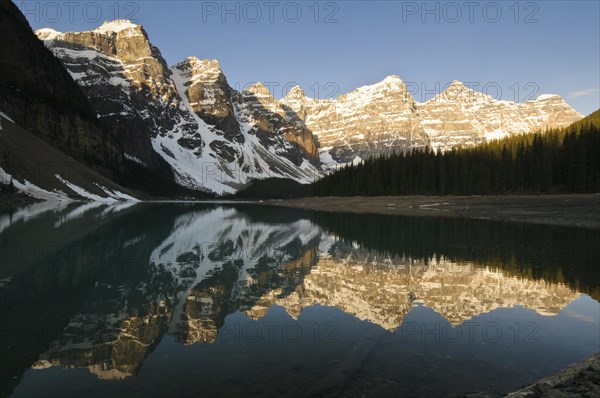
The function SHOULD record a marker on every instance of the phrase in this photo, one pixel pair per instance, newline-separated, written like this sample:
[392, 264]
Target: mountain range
[117, 107]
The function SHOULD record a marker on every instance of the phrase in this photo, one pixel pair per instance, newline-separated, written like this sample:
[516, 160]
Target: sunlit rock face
[218, 261]
[385, 118]
[210, 96]
[460, 116]
[368, 121]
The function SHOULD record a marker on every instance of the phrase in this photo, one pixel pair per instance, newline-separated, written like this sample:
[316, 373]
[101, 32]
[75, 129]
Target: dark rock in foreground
[579, 380]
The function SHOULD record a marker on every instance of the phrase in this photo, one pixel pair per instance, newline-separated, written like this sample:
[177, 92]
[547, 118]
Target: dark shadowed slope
[39, 94]
[42, 171]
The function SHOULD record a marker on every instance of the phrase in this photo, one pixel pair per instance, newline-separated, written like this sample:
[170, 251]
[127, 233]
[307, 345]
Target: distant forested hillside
[565, 160]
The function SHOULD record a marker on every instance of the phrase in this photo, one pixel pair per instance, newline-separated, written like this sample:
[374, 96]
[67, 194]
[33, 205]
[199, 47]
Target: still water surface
[223, 300]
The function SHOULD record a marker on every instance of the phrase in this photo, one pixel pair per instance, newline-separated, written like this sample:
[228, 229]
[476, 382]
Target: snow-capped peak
[392, 79]
[545, 97]
[393, 83]
[107, 28]
[296, 92]
[205, 70]
[115, 26]
[457, 91]
[457, 85]
[47, 34]
[390, 85]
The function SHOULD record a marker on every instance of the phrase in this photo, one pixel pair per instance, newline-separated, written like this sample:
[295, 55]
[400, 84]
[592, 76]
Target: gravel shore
[582, 211]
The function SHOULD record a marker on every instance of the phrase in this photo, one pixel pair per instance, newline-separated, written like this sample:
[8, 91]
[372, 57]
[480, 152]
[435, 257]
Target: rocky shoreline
[578, 380]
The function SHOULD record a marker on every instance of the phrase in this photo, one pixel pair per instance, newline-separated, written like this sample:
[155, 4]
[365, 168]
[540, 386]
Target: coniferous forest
[561, 161]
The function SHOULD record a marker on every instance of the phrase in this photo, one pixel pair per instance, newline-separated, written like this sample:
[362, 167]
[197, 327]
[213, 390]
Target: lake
[245, 300]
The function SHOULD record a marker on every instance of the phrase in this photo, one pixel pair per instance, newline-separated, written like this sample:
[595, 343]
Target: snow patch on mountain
[115, 26]
[135, 159]
[544, 97]
[47, 34]
[5, 116]
[110, 195]
[32, 190]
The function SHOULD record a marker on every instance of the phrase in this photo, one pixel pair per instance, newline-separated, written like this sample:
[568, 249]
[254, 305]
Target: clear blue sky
[521, 49]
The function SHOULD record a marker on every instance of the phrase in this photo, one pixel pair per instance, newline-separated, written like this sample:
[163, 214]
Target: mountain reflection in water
[171, 299]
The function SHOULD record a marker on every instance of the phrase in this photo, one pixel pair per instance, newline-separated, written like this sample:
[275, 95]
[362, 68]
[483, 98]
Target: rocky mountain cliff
[375, 119]
[39, 95]
[385, 118]
[127, 81]
[212, 137]
[462, 116]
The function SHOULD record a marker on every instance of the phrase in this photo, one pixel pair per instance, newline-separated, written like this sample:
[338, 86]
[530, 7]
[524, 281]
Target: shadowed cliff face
[236, 115]
[38, 94]
[268, 115]
[111, 292]
[127, 82]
